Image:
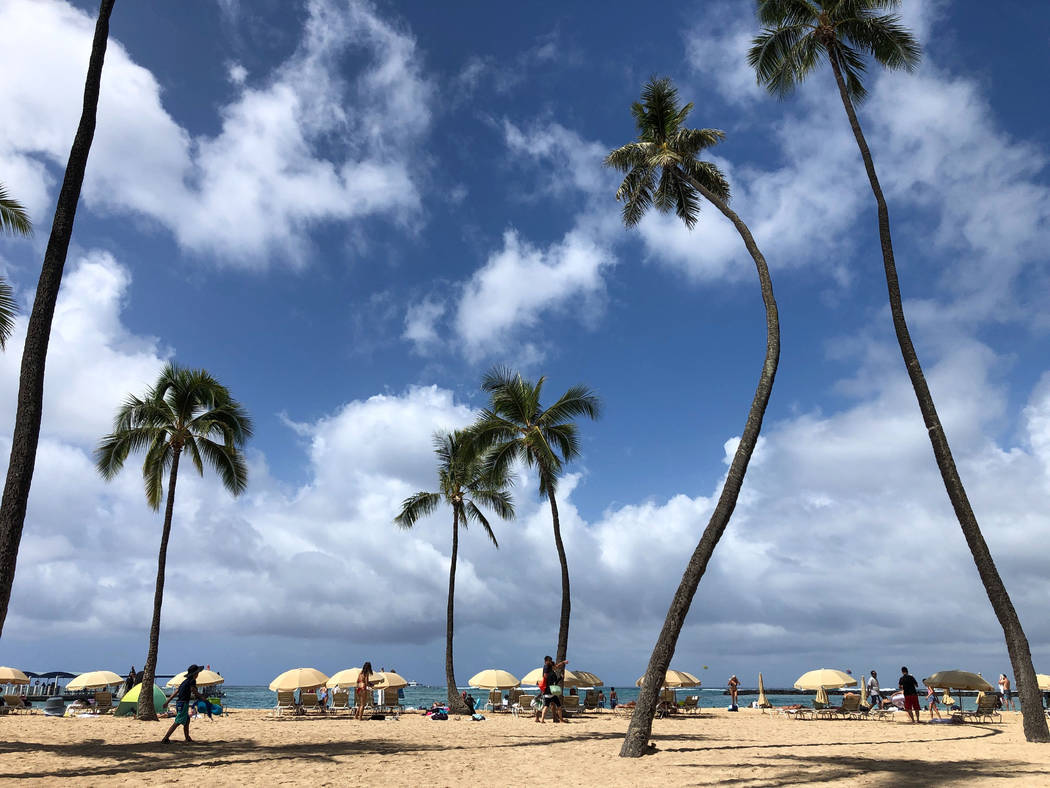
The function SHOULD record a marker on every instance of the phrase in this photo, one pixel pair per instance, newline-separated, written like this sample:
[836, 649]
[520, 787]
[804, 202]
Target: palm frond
[636, 194]
[416, 507]
[777, 57]
[159, 457]
[851, 63]
[578, 400]
[710, 177]
[227, 462]
[472, 512]
[8, 310]
[784, 12]
[565, 440]
[885, 39]
[13, 217]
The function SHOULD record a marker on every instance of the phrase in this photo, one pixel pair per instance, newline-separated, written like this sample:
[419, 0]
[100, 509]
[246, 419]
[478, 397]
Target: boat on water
[414, 684]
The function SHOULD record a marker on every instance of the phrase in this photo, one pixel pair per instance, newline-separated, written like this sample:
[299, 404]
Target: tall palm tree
[187, 410]
[662, 170]
[798, 35]
[38, 331]
[464, 481]
[13, 220]
[515, 426]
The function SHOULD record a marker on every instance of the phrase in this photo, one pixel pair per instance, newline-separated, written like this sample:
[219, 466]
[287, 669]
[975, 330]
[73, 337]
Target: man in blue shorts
[182, 696]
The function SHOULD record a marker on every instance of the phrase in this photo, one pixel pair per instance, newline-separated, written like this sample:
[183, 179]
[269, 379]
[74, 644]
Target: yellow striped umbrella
[298, 678]
[206, 678]
[95, 679]
[13, 676]
[824, 678]
[493, 679]
[674, 678]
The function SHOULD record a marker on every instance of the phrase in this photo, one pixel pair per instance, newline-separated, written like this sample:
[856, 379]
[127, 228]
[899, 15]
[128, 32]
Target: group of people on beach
[908, 687]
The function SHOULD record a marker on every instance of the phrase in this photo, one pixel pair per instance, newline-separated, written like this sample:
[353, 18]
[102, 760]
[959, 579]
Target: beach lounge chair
[285, 703]
[390, 704]
[523, 708]
[495, 701]
[985, 710]
[590, 701]
[103, 702]
[14, 705]
[690, 705]
[340, 702]
[850, 706]
[570, 704]
[308, 703]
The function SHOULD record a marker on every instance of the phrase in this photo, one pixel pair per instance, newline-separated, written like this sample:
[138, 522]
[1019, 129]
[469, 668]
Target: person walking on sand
[552, 689]
[734, 683]
[182, 696]
[910, 687]
[363, 690]
[1004, 692]
[931, 703]
[874, 694]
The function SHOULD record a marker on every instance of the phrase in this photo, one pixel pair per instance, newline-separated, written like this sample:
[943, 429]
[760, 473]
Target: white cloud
[290, 153]
[420, 323]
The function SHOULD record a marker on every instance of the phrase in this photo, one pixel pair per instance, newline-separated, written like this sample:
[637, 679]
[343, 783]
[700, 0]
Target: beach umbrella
[129, 704]
[13, 676]
[206, 678]
[822, 696]
[345, 678]
[957, 679]
[1043, 681]
[674, 678]
[95, 679]
[762, 702]
[587, 678]
[863, 691]
[824, 678]
[493, 680]
[298, 678]
[389, 680]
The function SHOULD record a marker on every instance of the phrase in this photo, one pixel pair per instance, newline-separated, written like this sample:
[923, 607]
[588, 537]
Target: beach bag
[439, 715]
[477, 717]
[542, 684]
[556, 689]
[537, 702]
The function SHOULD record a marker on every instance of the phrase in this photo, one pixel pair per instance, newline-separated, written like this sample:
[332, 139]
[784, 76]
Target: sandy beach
[718, 748]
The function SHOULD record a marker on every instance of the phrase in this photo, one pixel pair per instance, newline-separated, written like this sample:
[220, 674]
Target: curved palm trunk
[1035, 727]
[636, 742]
[149, 671]
[566, 602]
[455, 702]
[38, 333]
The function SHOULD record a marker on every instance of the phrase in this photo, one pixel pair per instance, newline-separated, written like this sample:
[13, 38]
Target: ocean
[242, 697]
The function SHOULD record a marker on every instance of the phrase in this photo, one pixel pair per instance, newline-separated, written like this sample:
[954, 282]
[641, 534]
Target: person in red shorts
[910, 687]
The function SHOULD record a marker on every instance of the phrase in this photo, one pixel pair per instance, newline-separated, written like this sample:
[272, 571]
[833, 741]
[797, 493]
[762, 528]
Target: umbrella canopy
[674, 678]
[568, 678]
[298, 678]
[863, 691]
[762, 702]
[345, 678]
[389, 680]
[13, 676]
[1043, 681]
[206, 678]
[588, 679]
[957, 679]
[948, 700]
[822, 696]
[493, 679]
[95, 679]
[824, 678]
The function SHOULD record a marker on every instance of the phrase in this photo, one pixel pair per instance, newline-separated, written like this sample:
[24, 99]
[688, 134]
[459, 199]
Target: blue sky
[349, 211]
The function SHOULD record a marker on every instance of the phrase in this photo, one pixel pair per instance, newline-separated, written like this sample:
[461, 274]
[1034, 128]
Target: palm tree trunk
[149, 671]
[455, 702]
[637, 740]
[1035, 728]
[566, 602]
[38, 333]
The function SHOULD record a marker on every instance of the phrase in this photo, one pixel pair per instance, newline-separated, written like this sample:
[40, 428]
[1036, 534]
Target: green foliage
[13, 217]
[798, 34]
[661, 168]
[465, 480]
[187, 410]
[515, 426]
[8, 310]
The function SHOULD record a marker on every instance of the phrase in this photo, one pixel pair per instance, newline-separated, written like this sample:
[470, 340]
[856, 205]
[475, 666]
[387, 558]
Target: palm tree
[798, 34]
[187, 410]
[515, 426]
[464, 482]
[38, 331]
[662, 170]
[13, 220]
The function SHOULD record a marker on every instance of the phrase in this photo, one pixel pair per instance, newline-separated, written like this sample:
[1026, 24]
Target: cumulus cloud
[841, 519]
[300, 147]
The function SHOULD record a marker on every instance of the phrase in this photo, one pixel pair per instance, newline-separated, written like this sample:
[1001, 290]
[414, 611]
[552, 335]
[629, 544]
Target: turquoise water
[263, 698]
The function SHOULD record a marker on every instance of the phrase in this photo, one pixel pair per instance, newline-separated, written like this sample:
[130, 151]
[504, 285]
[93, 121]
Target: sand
[720, 748]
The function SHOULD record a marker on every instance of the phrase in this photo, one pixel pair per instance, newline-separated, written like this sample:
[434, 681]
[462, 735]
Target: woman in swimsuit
[363, 690]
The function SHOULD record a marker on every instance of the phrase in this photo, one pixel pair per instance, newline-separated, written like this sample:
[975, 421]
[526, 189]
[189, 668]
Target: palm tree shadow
[788, 770]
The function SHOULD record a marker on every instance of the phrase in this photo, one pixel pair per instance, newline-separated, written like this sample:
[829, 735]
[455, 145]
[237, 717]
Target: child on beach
[182, 696]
